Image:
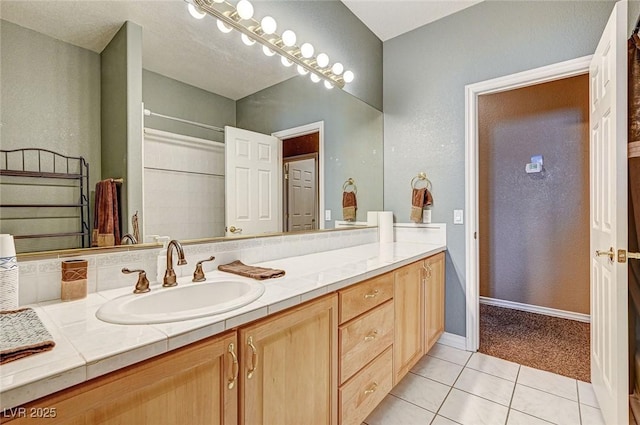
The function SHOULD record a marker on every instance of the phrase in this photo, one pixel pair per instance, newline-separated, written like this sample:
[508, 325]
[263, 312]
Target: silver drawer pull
[371, 295]
[371, 336]
[372, 389]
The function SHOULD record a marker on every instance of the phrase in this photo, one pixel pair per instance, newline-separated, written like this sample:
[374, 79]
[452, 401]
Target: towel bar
[422, 176]
[350, 182]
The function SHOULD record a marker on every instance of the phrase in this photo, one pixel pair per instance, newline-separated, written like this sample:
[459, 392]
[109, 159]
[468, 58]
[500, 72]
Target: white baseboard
[580, 317]
[453, 340]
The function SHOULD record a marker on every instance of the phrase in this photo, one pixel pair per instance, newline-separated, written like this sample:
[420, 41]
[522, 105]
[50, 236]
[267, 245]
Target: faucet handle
[198, 275]
[142, 285]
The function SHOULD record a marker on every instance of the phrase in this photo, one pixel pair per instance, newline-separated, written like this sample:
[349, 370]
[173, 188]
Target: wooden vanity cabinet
[409, 300]
[366, 357]
[191, 385]
[289, 371]
[434, 273]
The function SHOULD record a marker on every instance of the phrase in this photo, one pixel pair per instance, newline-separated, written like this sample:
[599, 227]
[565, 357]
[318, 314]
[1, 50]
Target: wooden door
[608, 218]
[192, 385]
[408, 303]
[253, 188]
[302, 195]
[289, 370]
[434, 268]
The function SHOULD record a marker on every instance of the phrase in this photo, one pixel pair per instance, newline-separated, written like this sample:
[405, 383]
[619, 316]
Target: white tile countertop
[87, 347]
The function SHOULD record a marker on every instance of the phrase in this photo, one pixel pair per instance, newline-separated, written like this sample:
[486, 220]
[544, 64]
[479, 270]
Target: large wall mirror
[64, 65]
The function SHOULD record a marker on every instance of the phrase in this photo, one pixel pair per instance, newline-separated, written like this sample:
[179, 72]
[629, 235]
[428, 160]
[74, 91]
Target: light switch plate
[327, 215]
[458, 217]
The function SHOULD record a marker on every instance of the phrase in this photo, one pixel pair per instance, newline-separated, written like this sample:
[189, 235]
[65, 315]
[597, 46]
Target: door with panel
[290, 366]
[253, 187]
[608, 218]
[408, 295]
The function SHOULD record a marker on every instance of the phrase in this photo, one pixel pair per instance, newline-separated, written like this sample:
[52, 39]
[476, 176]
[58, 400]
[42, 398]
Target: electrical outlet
[458, 217]
[327, 215]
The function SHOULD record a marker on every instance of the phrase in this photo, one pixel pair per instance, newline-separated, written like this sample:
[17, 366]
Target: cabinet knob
[372, 389]
[371, 336]
[371, 294]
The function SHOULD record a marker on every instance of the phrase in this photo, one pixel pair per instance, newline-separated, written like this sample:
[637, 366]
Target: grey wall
[121, 89]
[167, 96]
[352, 136]
[332, 28]
[425, 72]
[50, 95]
[49, 98]
[634, 14]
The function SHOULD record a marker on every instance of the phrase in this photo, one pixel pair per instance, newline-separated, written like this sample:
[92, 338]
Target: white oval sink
[183, 302]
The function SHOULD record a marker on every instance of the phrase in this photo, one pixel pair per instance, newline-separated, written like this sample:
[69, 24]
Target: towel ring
[420, 177]
[350, 182]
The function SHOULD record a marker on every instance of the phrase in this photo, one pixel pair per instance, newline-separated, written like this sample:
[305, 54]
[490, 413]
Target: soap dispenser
[162, 256]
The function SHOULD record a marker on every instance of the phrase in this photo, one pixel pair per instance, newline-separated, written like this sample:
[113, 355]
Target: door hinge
[623, 255]
[475, 235]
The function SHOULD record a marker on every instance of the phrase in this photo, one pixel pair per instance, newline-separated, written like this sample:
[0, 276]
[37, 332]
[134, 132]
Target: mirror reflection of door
[301, 195]
[252, 182]
[301, 192]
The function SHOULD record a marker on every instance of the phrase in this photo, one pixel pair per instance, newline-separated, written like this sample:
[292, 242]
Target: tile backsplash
[39, 280]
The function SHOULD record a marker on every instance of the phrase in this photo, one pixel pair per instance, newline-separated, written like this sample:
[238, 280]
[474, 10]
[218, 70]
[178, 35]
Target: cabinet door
[434, 298]
[409, 319]
[191, 385]
[290, 366]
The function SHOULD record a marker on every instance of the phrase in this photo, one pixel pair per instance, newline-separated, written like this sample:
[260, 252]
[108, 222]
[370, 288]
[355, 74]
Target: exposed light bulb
[322, 60]
[328, 84]
[268, 25]
[307, 50]
[301, 70]
[195, 11]
[218, 1]
[348, 76]
[289, 38]
[223, 27]
[337, 68]
[315, 78]
[267, 51]
[286, 62]
[245, 9]
[246, 40]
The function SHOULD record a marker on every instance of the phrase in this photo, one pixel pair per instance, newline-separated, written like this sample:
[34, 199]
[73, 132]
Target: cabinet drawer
[359, 298]
[362, 339]
[359, 396]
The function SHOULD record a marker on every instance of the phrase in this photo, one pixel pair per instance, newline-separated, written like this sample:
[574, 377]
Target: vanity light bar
[273, 41]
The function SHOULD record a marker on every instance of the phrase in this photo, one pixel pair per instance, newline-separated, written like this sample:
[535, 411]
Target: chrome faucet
[170, 274]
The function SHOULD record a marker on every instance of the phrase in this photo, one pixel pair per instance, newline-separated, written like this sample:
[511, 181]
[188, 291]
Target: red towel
[106, 223]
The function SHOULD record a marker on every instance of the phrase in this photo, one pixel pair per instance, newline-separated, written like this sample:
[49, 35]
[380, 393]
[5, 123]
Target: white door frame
[313, 127]
[544, 74]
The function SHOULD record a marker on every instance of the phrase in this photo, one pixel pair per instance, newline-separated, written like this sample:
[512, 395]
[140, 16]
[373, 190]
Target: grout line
[534, 416]
[547, 392]
[512, 394]
[450, 389]
[578, 396]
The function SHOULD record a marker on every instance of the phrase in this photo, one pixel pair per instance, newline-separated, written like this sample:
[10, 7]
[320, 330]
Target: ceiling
[194, 51]
[390, 18]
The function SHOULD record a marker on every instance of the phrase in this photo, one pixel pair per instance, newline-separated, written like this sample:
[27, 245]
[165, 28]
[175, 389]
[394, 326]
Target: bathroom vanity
[328, 357]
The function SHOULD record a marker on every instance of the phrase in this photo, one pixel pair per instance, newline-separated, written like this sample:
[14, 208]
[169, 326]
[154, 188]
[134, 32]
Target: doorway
[303, 177]
[534, 225]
